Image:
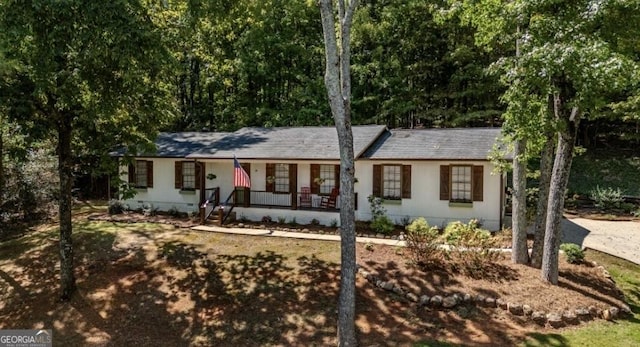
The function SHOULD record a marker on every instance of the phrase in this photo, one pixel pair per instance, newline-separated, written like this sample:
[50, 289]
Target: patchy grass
[601, 333]
[605, 168]
[155, 284]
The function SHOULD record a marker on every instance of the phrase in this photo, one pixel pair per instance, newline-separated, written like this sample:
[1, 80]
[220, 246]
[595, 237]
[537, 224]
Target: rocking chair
[330, 201]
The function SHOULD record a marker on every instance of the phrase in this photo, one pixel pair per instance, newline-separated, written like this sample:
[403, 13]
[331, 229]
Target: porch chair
[305, 197]
[330, 201]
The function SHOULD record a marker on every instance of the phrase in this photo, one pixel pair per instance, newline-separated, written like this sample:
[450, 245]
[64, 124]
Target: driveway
[621, 239]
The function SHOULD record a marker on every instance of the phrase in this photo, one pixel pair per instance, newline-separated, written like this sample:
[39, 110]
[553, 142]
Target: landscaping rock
[466, 297]
[555, 320]
[607, 315]
[479, 299]
[527, 310]
[515, 309]
[449, 301]
[625, 309]
[614, 311]
[436, 301]
[412, 297]
[594, 311]
[539, 318]
[387, 286]
[583, 314]
[424, 300]
[240, 225]
[490, 302]
[398, 290]
[502, 304]
[570, 317]
[379, 283]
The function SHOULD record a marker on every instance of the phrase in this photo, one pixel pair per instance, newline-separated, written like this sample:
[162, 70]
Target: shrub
[116, 207]
[405, 221]
[293, 221]
[282, 220]
[573, 252]
[606, 198]
[369, 246]
[148, 210]
[174, 212]
[473, 247]
[334, 223]
[382, 225]
[266, 219]
[315, 222]
[422, 242]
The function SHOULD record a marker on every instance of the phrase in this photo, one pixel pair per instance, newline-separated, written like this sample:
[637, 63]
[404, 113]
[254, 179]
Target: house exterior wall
[424, 201]
[163, 195]
[425, 195]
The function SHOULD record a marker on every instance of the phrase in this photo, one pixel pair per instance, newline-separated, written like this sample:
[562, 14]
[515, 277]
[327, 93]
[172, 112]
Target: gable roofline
[384, 130]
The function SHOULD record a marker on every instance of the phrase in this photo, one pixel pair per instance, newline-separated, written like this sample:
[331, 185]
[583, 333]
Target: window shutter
[178, 176]
[198, 167]
[270, 172]
[406, 181]
[336, 170]
[444, 182]
[132, 174]
[150, 174]
[477, 182]
[315, 173]
[377, 181]
[293, 178]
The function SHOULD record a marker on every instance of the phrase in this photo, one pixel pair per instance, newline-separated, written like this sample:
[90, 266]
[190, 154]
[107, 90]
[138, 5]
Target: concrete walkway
[618, 238]
[295, 235]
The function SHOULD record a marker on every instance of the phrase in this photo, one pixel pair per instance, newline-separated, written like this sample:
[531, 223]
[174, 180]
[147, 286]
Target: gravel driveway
[621, 239]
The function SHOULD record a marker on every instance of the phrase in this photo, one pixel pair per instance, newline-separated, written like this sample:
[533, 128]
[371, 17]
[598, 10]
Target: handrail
[214, 199]
[226, 203]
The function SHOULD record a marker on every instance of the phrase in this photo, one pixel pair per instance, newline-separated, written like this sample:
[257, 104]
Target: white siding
[425, 195]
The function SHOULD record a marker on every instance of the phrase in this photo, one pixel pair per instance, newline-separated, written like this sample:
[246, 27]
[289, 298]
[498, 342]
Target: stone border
[551, 319]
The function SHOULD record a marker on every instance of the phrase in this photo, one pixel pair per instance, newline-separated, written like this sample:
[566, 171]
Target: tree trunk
[568, 126]
[520, 252]
[65, 162]
[338, 84]
[546, 166]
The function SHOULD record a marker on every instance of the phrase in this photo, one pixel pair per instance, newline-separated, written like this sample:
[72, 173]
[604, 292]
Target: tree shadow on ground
[539, 339]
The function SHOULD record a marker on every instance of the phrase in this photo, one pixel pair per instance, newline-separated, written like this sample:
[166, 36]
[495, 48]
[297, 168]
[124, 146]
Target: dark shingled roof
[179, 145]
[288, 143]
[435, 144]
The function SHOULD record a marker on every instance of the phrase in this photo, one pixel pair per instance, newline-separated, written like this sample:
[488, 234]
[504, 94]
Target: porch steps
[214, 218]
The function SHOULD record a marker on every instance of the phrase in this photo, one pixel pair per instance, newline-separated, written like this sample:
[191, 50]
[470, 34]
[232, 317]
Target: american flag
[240, 177]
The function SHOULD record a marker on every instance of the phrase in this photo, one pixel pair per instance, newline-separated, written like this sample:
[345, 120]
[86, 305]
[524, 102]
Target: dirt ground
[157, 284]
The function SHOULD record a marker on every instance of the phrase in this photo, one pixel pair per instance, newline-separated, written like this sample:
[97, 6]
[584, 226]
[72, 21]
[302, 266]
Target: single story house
[440, 174]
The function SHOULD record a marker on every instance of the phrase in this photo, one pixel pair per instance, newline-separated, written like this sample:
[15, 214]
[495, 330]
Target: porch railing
[293, 201]
[207, 206]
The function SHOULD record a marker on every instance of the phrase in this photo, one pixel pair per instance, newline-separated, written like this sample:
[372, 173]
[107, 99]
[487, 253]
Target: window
[392, 182]
[188, 175]
[461, 183]
[281, 178]
[327, 178]
[141, 174]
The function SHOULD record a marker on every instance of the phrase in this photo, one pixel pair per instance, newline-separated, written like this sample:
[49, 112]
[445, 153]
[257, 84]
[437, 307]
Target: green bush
[422, 242]
[473, 247]
[573, 252]
[115, 207]
[606, 198]
[382, 224]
